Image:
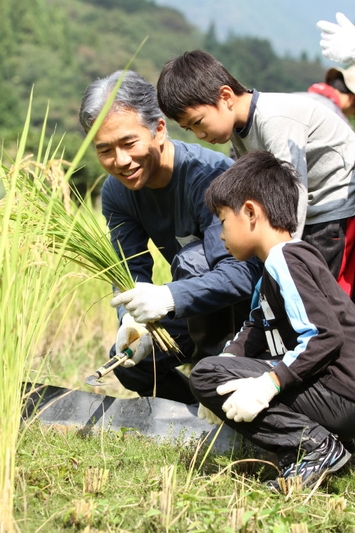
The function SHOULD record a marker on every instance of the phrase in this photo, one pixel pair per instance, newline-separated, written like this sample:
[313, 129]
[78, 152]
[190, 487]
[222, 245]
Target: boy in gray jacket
[202, 96]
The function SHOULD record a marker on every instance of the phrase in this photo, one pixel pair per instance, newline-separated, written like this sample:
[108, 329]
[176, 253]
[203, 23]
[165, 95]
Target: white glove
[204, 413]
[250, 396]
[338, 40]
[146, 302]
[128, 332]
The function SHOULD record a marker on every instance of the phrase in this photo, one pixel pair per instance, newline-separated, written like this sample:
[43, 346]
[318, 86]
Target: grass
[32, 286]
[125, 482]
[68, 227]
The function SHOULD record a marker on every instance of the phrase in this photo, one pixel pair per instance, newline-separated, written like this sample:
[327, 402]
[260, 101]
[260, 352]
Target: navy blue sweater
[173, 217]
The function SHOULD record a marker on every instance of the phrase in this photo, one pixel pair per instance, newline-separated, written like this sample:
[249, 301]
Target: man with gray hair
[155, 190]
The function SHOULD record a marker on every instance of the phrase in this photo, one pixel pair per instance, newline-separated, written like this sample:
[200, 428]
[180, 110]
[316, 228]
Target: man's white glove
[146, 302]
[338, 40]
[250, 396]
[128, 332]
[204, 413]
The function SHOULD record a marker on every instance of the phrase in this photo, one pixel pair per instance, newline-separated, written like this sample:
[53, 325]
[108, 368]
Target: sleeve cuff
[168, 299]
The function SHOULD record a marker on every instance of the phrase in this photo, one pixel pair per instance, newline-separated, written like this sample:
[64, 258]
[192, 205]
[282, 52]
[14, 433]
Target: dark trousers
[335, 240]
[297, 420]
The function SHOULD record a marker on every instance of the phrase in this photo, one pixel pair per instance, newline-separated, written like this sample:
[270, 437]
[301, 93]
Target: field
[56, 328]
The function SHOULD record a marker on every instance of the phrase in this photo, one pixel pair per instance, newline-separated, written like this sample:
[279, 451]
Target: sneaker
[329, 457]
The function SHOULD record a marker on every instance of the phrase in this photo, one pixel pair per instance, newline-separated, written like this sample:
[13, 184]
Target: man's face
[211, 123]
[128, 151]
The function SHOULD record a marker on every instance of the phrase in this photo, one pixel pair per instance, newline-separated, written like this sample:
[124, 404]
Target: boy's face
[237, 233]
[211, 123]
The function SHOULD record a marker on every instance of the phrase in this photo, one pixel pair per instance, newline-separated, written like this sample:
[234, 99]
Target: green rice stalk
[39, 233]
[31, 289]
[75, 233]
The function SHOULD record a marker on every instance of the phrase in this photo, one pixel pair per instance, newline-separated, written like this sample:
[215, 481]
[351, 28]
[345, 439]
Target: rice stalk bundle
[74, 232]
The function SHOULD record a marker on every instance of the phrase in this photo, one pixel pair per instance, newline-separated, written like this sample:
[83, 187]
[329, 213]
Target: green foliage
[60, 46]
[32, 286]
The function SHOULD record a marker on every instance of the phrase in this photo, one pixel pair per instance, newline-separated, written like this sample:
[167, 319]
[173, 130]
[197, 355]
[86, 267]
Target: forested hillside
[60, 46]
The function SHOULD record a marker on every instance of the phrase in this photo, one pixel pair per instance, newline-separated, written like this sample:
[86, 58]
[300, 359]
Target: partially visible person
[199, 93]
[155, 190]
[336, 92]
[286, 382]
[338, 40]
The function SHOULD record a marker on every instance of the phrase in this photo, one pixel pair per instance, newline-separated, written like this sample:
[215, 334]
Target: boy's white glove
[250, 396]
[338, 40]
[128, 332]
[204, 413]
[146, 302]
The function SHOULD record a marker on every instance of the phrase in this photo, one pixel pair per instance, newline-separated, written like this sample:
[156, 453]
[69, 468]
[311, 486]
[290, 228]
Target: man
[155, 190]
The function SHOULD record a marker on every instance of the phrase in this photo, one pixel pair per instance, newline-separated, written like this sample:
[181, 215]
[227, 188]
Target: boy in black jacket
[286, 381]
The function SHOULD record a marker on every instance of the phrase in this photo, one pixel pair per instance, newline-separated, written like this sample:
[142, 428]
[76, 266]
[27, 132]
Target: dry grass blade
[74, 232]
[95, 480]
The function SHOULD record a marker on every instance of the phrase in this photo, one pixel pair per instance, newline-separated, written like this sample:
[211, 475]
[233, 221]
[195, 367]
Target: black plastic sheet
[152, 417]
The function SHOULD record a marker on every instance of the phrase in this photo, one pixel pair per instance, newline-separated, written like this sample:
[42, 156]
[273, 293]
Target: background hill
[289, 25]
[60, 46]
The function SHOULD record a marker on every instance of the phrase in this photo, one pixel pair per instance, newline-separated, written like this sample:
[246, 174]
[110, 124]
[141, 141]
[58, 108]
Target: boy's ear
[250, 210]
[226, 94]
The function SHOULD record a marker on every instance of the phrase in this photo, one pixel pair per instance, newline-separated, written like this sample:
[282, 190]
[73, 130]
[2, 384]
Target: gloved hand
[250, 396]
[338, 40]
[204, 413]
[146, 302]
[129, 331]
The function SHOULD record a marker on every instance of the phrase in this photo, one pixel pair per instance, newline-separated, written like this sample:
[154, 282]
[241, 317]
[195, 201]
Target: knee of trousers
[140, 382]
[204, 378]
[147, 375]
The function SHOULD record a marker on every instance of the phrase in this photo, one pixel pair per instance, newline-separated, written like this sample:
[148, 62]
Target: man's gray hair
[134, 93]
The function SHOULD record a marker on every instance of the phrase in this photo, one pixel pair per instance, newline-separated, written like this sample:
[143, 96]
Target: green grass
[125, 482]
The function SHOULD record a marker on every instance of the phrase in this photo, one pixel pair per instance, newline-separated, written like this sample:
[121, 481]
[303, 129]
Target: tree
[210, 42]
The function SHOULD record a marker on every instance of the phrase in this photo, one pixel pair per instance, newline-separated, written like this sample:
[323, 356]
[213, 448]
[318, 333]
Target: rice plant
[32, 286]
[73, 231]
[40, 233]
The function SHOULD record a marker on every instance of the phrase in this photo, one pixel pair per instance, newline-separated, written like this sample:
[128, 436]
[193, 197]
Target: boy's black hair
[261, 177]
[191, 80]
